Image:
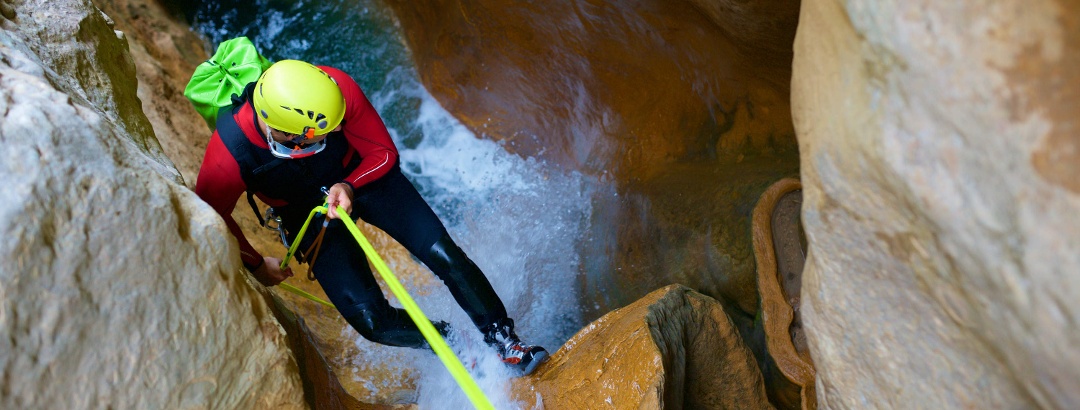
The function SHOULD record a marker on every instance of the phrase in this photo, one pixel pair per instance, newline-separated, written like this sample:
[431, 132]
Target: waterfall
[519, 219]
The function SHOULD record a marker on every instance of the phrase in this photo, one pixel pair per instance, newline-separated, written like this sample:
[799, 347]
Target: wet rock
[674, 348]
[322, 387]
[678, 104]
[760, 29]
[601, 86]
[120, 289]
[940, 153]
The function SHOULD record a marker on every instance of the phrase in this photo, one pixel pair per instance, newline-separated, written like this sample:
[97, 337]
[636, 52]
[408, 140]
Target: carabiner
[273, 223]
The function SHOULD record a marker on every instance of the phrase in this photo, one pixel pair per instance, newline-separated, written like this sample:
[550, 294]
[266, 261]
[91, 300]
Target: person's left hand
[339, 195]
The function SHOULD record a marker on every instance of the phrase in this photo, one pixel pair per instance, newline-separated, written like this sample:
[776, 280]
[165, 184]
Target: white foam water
[519, 220]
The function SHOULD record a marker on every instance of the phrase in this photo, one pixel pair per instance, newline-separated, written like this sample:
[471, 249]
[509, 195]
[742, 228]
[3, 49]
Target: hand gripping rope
[436, 341]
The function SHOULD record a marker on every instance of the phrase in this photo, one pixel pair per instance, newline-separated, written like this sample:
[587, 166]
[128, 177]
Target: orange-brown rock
[322, 387]
[674, 348]
[620, 87]
[779, 249]
[682, 104]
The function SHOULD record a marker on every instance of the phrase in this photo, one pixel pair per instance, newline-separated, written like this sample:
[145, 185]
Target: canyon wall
[118, 287]
[682, 106]
[940, 154]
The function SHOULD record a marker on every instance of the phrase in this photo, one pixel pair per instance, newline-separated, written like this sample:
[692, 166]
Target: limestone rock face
[673, 349]
[91, 64]
[165, 52]
[940, 153]
[118, 287]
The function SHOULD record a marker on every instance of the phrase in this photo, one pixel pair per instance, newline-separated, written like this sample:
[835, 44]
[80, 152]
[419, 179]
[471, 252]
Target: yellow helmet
[298, 98]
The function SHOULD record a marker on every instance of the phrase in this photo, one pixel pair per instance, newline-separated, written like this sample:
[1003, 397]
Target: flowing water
[521, 221]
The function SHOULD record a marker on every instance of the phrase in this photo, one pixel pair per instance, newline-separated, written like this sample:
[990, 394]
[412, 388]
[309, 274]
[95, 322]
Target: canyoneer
[303, 134]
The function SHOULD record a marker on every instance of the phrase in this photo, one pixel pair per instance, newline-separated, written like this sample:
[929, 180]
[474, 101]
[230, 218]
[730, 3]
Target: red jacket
[220, 184]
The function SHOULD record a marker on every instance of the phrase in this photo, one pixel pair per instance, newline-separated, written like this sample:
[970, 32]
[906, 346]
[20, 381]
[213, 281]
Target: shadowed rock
[683, 106]
[780, 258]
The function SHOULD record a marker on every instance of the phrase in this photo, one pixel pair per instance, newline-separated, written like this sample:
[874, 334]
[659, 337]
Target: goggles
[295, 148]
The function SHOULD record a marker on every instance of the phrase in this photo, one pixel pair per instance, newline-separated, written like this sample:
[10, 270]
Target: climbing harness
[312, 251]
[434, 339]
[273, 223]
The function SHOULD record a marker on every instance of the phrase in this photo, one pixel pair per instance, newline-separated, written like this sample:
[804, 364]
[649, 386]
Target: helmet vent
[297, 86]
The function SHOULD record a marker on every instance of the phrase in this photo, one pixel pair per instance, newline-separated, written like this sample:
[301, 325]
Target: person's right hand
[340, 194]
[270, 273]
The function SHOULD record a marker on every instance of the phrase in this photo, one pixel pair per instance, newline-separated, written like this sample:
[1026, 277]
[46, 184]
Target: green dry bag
[235, 64]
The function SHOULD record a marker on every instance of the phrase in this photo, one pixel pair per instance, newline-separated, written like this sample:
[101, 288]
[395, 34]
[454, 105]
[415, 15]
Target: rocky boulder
[940, 155]
[118, 287]
[673, 349]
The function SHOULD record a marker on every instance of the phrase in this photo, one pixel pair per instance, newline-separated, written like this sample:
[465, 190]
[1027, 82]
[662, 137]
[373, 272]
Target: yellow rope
[434, 339]
[303, 294]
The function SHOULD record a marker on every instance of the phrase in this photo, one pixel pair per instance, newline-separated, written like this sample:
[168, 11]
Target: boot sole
[537, 360]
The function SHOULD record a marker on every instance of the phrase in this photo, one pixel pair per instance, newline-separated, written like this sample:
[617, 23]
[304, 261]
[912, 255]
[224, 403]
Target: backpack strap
[242, 150]
[255, 208]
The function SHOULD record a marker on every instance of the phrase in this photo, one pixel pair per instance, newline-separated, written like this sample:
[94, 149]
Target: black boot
[514, 353]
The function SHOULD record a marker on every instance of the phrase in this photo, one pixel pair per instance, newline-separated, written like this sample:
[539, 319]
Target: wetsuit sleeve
[219, 184]
[365, 131]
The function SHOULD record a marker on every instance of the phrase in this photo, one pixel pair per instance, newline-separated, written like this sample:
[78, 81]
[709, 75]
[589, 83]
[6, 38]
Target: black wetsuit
[389, 202]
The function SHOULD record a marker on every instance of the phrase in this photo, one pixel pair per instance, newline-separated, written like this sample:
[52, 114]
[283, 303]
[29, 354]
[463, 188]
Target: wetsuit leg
[393, 204]
[471, 289]
[381, 323]
[343, 272]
